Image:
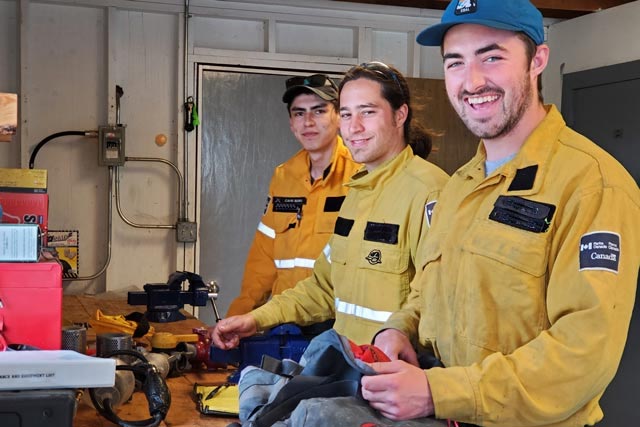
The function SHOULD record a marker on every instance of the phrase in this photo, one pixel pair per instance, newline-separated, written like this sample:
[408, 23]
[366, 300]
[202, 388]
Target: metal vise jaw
[164, 301]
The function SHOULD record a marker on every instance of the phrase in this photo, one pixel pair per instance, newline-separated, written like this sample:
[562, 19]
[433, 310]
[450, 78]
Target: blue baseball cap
[513, 15]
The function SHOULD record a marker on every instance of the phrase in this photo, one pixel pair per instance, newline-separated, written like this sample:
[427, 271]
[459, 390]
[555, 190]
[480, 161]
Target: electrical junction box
[186, 232]
[111, 140]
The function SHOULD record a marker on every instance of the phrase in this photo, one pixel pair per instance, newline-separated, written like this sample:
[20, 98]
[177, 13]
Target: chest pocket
[284, 221]
[500, 287]
[339, 246]
[383, 257]
[523, 250]
[325, 222]
[286, 212]
[381, 249]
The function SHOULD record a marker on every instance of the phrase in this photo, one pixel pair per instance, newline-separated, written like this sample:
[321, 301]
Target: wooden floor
[183, 411]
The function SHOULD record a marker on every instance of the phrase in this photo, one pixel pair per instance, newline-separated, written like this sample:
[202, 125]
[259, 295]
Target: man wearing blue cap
[531, 264]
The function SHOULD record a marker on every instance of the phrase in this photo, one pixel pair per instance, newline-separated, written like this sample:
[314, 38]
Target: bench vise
[164, 301]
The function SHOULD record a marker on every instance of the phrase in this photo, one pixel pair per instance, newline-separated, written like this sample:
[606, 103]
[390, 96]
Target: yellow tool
[169, 341]
[103, 323]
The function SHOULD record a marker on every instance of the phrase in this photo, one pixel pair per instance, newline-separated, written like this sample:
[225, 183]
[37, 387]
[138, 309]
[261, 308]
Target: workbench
[183, 410]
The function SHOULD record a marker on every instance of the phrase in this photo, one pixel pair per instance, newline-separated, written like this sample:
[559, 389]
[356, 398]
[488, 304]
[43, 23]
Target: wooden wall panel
[455, 145]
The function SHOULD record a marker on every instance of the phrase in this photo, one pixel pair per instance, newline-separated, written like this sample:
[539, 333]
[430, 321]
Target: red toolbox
[31, 304]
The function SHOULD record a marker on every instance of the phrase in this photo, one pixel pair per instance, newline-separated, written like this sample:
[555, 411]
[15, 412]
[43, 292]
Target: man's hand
[400, 391]
[227, 332]
[396, 345]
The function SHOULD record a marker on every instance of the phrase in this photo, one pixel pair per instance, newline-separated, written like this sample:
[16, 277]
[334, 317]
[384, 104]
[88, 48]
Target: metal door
[603, 105]
[245, 135]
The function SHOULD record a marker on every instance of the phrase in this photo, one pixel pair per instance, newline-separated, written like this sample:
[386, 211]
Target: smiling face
[314, 122]
[489, 80]
[371, 129]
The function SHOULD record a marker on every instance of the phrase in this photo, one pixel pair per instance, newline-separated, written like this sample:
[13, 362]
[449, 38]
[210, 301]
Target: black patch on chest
[333, 204]
[343, 226]
[382, 232]
[522, 213]
[524, 179]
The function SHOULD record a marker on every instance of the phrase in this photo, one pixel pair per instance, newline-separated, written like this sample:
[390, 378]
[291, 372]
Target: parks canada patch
[600, 250]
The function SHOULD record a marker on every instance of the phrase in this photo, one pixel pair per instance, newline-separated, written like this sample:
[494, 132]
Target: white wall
[9, 152]
[74, 52]
[605, 38]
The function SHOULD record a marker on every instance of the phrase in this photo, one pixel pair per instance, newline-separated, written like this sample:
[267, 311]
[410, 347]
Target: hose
[153, 386]
[41, 144]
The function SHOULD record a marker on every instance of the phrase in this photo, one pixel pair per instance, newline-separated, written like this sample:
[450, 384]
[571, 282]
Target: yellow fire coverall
[529, 283]
[363, 274]
[296, 225]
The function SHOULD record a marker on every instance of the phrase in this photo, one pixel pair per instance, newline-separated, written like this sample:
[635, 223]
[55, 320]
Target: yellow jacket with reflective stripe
[292, 232]
[530, 325]
[363, 275]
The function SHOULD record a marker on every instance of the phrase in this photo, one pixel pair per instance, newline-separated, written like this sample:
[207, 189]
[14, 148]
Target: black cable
[32, 159]
[153, 385]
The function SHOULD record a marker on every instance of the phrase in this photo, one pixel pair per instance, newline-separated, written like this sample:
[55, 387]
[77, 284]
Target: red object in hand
[368, 353]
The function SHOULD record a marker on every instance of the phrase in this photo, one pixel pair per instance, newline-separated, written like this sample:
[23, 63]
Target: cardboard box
[52, 369]
[25, 208]
[23, 180]
[31, 310]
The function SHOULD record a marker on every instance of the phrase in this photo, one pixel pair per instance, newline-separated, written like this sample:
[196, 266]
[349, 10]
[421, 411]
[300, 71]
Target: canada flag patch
[600, 250]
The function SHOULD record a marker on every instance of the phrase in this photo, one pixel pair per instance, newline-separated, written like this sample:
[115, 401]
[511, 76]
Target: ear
[401, 115]
[540, 60]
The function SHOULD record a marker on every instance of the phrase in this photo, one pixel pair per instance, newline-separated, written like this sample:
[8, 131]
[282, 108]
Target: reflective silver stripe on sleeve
[293, 263]
[267, 231]
[363, 312]
[327, 253]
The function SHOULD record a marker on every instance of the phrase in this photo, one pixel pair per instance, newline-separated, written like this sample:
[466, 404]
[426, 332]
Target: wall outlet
[186, 232]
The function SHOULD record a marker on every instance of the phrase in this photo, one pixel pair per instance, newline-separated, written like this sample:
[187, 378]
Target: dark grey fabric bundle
[323, 390]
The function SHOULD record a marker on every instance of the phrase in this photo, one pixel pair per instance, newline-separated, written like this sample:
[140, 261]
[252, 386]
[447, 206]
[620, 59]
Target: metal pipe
[185, 142]
[109, 227]
[167, 162]
[118, 207]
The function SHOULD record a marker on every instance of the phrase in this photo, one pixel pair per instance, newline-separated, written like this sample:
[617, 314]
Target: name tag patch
[381, 232]
[600, 250]
[523, 213]
[288, 204]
